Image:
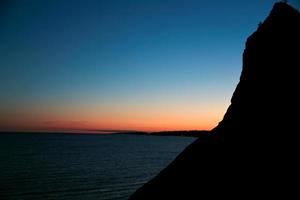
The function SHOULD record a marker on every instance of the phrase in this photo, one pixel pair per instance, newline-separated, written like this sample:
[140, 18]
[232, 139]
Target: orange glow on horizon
[160, 124]
[133, 117]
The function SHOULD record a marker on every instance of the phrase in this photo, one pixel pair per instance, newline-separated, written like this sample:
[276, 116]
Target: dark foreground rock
[254, 151]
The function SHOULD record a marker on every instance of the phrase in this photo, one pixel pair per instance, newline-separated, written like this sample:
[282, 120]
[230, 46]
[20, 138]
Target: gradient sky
[122, 65]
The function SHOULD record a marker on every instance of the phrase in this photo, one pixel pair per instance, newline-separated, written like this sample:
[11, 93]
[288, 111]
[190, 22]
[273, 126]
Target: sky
[148, 65]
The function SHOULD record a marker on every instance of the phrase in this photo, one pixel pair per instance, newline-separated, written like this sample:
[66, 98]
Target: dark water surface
[62, 166]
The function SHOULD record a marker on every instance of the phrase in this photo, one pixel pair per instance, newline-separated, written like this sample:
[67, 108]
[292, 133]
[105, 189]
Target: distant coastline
[183, 133]
[192, 133]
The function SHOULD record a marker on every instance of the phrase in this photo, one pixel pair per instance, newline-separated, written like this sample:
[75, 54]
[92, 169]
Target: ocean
[77, 166]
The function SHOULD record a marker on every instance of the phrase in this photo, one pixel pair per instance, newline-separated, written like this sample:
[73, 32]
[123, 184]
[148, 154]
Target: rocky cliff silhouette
[254, 150]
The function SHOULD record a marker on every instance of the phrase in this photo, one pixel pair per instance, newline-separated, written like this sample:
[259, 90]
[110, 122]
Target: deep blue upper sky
[122, 56]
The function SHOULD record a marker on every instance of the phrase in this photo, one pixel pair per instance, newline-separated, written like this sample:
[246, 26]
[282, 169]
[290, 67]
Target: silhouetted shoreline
[193, 133]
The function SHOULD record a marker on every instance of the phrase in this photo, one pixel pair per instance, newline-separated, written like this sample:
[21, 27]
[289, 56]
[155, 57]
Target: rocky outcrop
[253, 152]
[268, 84]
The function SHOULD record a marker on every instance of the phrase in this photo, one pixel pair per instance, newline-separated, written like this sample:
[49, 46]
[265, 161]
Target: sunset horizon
[148, 99]
[103, 65]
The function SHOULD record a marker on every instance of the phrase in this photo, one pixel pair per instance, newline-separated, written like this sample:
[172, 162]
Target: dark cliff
[268, 84]
[253, 152]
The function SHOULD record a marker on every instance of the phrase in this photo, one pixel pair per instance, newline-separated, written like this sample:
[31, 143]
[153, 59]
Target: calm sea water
[70, 167]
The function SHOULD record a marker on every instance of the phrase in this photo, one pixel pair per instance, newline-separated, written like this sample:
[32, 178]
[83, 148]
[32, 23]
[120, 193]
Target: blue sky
[127, 56]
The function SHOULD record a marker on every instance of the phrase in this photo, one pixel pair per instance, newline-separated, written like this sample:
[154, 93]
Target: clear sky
[121, 65]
